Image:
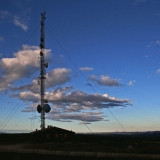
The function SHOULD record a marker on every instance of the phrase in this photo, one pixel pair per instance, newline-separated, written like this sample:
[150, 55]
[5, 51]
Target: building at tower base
[53, 134]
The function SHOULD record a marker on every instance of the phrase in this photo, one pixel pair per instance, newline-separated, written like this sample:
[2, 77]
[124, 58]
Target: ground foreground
[117, 146]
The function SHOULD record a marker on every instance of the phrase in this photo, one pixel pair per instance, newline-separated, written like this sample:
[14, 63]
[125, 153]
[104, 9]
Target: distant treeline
[118, 137]
[90, 138]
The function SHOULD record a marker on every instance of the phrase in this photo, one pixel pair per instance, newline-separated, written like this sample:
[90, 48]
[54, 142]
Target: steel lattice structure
[42, 67]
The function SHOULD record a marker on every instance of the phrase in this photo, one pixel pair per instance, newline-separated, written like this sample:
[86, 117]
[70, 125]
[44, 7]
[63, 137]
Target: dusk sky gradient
[104, 65]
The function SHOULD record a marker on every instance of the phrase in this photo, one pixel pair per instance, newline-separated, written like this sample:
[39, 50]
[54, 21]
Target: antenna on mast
[43, 107]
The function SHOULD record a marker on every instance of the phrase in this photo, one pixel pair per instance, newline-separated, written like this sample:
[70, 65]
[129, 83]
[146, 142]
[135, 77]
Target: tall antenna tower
[43, 107]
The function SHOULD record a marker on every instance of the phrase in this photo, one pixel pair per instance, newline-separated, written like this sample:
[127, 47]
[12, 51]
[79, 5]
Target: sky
[104, 68]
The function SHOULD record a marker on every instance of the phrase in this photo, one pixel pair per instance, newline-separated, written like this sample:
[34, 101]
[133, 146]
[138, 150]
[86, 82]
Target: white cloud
[55, 77]
[131, 83]
[33, 87]
[66, 103]
[19, 23]
[23, 65]
[105, 81]
[27, 96]
[86, 69]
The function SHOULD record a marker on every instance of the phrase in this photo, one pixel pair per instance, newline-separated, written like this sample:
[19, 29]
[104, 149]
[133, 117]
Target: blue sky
[103, 57]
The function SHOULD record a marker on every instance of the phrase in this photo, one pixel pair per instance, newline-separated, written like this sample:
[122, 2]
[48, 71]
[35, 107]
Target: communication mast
[43, 107]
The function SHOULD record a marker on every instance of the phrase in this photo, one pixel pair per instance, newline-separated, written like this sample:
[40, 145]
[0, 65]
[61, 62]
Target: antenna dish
[39, 108]
[47, 108]
[46, 65]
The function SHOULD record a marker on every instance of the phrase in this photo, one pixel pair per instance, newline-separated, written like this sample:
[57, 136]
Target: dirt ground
[79, 151]
[106, 147]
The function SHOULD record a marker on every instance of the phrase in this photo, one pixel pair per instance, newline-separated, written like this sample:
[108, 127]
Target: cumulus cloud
[54, 77]
[57, 76]
[33, 87]
[79, 100]
[131, 83]
[83, 98]
[67, 103]
[86, 69]
[23, 65]
[26, 96]
[105, 81]
[19, 23]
